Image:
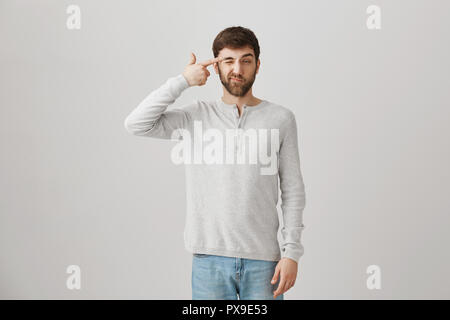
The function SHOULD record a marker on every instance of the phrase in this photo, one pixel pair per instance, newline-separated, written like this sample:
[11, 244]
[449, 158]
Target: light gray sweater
[231, 203]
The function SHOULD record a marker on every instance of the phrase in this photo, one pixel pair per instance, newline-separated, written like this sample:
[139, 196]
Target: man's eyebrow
[245, 55]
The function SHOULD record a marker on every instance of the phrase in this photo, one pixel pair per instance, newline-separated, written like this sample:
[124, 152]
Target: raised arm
[151, 119]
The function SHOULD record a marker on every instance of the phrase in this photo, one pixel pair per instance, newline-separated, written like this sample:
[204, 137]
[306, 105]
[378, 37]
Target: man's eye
[246, 61]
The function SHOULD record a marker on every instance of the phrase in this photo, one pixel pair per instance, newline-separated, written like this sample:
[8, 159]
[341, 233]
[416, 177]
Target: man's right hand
[196, 74]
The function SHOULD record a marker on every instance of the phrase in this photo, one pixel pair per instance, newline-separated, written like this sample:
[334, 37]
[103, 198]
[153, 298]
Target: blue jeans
[227, 278]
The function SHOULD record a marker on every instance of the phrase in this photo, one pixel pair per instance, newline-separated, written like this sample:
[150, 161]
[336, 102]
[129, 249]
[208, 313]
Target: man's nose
[237, 68]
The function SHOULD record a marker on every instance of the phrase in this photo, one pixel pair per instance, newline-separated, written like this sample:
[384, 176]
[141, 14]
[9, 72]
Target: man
[232, 219]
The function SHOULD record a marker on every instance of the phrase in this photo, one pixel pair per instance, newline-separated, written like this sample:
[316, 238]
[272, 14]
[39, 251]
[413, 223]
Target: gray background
[372, 107]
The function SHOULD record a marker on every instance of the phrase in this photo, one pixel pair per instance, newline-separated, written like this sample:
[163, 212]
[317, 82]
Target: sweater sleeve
[150, 117]
[292, 194]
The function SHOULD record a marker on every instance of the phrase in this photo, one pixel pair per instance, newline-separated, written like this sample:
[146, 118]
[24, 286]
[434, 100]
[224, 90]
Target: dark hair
[235, 38]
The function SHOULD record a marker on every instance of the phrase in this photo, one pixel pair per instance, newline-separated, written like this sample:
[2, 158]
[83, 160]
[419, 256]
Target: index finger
[211, 61]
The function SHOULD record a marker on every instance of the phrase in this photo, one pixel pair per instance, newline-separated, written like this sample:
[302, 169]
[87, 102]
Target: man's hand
[287, 269]
[197, 74]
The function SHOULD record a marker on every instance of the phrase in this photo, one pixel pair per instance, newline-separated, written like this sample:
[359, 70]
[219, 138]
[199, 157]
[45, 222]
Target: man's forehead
[236, 53]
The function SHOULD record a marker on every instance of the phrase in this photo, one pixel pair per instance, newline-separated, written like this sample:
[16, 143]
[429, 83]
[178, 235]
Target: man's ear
[257, 65]
[216, 68]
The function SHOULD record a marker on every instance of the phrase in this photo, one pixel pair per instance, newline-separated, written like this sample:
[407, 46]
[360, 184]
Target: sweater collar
[232, 108]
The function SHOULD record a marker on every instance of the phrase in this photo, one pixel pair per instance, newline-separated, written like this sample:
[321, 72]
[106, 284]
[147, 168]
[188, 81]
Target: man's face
[238, 64]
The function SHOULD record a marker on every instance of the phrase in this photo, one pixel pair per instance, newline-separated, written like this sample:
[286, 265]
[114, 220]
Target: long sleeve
[150, 117]
[292, 194]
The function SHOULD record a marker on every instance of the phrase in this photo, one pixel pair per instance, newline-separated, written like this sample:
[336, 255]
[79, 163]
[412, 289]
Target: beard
[237, 89]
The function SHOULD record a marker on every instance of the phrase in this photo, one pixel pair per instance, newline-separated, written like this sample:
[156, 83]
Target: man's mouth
[234, 79]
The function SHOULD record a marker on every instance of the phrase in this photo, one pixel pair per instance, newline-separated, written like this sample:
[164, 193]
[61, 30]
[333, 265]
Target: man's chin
[235, 90]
